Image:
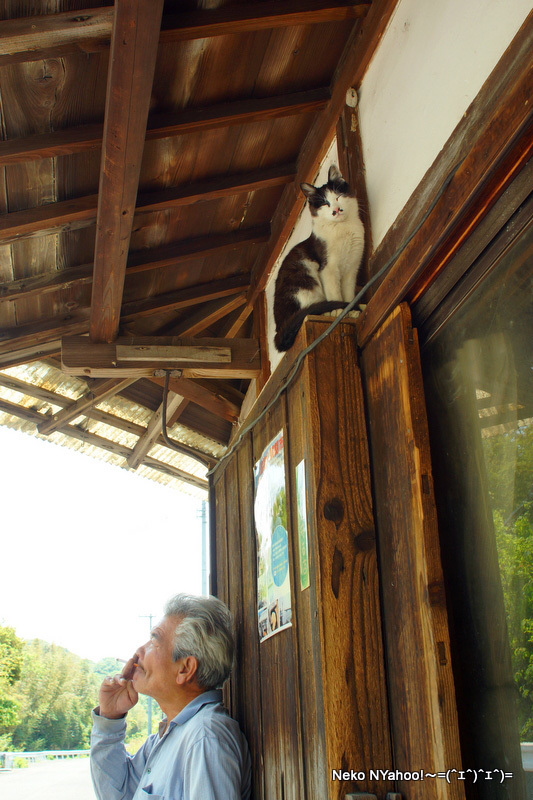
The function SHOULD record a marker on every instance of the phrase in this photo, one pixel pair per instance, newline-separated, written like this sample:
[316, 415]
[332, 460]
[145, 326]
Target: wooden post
[421, 686]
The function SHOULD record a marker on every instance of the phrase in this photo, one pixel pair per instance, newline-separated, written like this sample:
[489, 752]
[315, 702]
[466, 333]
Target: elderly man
[199, 752]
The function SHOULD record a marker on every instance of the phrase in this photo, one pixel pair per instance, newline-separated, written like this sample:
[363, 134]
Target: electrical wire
[291, 375]
[180, 448]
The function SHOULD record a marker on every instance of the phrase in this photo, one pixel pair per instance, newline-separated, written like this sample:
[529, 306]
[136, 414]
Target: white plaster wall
[431, 62]
[301, 231]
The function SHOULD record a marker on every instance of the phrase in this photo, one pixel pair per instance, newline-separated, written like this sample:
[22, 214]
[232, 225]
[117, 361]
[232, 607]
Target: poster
[274, 608]
[303, 541]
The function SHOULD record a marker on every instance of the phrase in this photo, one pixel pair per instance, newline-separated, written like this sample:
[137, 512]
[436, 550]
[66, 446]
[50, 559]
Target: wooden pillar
[420, 680]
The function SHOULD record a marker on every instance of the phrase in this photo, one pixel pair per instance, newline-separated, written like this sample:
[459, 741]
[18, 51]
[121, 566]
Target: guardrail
[7, 759]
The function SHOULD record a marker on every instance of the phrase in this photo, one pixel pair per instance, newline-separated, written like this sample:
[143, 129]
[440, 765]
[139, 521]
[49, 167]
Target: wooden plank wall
[312, 698]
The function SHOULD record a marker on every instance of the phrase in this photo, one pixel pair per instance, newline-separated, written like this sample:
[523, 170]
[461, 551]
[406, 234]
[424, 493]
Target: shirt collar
[192, 708]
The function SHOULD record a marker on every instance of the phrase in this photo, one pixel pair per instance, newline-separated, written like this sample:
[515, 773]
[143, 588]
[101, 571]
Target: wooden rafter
[82, 212]
[93, 413]
[102, 392]
[352, 65]
[25, 355]
[183, 298]
[171, 255]
[210, 399]
[34, 335]
[56, 35]
[129, 87]
[80, 356]
[84, 138]
[105, 444]
[206, 315]
[175, 404]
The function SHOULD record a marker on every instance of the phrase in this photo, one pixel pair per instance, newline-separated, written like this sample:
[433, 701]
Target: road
[67, 779]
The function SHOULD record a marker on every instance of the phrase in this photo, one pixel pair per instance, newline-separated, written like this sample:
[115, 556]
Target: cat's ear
[334, 174]
[308, 189]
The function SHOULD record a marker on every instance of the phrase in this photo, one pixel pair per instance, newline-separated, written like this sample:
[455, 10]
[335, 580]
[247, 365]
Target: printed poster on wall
[303, 540]
[270, 510]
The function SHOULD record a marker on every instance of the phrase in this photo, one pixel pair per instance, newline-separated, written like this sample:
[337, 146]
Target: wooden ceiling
[150, 160]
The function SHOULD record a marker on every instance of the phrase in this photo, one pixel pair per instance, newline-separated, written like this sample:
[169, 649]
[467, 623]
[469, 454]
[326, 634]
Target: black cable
[179, 448]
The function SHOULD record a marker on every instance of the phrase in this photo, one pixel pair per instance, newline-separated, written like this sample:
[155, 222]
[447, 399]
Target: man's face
[156, 672]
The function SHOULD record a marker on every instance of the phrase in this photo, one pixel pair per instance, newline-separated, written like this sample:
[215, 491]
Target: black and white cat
[319, 274]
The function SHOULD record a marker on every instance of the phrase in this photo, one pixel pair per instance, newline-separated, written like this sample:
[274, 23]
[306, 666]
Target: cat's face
[333, 201]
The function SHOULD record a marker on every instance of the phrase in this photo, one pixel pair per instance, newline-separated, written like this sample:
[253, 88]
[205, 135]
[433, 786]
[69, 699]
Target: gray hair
[205, 631]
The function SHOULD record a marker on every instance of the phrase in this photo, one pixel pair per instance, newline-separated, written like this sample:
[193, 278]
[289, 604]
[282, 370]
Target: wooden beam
[353, 63]
[183, 298]
[105, 444]
[56, 35]
[96, 414]
[214, 188]
[234, 323]
[207, 315]
[97, 395]
[82, 212]
[25, 355]
[140, 261]
[67, 215]
[129, 87]
[36, 339]
[153, 431]
[210, 399]
[33, 335]
[257, 17]
[48, 35]
[80, 356]
[168, 354]
[84, 138]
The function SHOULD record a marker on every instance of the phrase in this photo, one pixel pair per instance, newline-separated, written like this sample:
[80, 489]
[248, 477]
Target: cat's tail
[284, 338]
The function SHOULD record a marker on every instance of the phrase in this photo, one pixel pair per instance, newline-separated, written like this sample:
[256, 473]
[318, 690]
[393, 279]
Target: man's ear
[187, 669]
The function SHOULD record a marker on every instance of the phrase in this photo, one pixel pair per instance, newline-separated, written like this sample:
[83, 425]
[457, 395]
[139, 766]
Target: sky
[88, 549]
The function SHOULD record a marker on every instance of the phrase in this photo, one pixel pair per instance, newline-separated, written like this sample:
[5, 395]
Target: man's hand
[117, 695]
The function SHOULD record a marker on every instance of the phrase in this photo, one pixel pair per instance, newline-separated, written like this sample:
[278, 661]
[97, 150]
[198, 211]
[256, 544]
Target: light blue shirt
[202, 756]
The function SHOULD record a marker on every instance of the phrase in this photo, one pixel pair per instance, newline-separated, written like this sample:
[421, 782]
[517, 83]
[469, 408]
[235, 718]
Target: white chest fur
[344, 240]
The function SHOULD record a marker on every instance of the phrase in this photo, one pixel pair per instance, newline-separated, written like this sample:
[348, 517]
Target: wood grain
[56, 35]
[129, 86]
[207, 398]
[171, 255]
[68, 215]
[80, 356]
[322, 683]
[98, 394]
[345, 571]
[150, 437]
[84, 138]
[420, 678]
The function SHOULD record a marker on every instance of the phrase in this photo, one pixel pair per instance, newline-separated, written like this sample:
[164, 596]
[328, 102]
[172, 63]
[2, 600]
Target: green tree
[11, 659]
[56, 692]
[509, 459]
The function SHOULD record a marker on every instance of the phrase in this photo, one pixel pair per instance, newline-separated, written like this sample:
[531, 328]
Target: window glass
[478, 374]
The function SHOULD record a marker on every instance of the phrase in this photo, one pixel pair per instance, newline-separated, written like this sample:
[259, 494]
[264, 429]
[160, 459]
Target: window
[477, 347]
